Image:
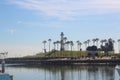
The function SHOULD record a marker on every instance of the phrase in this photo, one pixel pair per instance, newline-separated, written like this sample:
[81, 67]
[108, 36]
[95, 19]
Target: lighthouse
[62, 41]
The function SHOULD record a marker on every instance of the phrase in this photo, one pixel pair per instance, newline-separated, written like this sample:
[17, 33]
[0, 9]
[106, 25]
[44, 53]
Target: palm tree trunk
[78, 47]
[97, 44]
[119, 47]
[71, 51]
[44, 45]
[54, 46]
[49, 46]
[44, 48]
[85, 46]
[93, 43]
[57, 46]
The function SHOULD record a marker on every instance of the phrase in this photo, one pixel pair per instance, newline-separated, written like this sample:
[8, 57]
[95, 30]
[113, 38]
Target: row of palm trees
[57, 43]
[70, 44]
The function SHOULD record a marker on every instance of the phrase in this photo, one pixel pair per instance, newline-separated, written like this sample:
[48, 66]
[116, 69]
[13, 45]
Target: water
[63, 73]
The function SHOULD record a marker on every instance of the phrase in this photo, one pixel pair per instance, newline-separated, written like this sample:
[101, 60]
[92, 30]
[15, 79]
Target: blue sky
[24, 24]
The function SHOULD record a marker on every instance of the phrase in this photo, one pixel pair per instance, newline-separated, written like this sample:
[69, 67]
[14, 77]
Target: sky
[24, 24]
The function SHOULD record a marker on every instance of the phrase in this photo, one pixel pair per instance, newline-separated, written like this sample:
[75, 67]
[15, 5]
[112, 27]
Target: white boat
[118, 69]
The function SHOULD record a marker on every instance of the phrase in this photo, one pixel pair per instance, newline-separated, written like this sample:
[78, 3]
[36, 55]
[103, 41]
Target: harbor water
[63, 72]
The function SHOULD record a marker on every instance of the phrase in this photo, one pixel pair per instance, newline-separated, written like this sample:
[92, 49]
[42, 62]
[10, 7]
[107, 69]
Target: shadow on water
[71, 72]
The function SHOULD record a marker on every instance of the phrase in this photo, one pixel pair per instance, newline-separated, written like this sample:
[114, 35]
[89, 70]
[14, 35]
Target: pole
[3, 65]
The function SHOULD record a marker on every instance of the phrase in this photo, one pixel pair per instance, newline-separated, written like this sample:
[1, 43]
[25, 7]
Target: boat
[118, 69]
[5, 76]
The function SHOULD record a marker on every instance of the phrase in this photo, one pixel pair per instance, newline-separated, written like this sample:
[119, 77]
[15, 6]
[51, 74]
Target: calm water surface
[63, 73]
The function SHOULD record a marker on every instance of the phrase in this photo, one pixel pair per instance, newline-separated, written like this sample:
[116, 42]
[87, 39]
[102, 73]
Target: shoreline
[63, 61]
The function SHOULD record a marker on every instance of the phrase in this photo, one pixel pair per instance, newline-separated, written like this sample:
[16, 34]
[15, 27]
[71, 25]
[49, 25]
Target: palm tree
[113, 41]
[67, 43]
[57, 42]
[78, 43]
[44, 42]
[94, 40]
[102, 41]
[119, 45]
[71, 44]
[85, 44]
[49, 43]
[65, 38]
[54, 45]
[97, 39]
[88, 41]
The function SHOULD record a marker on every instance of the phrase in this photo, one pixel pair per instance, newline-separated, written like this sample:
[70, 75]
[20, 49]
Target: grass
[68, 54]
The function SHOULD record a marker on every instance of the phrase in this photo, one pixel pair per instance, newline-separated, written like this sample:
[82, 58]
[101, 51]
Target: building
[92, 51]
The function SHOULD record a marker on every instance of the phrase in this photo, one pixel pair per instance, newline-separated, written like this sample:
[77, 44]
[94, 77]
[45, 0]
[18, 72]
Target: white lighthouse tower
[62, 41]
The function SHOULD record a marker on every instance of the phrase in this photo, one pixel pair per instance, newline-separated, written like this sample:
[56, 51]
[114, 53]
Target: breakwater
[62, 61]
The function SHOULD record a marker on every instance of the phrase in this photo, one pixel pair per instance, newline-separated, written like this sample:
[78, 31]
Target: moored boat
[118, 69]
[5, 76]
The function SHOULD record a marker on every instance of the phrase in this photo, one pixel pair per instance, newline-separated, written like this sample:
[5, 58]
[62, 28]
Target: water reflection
[62, 72]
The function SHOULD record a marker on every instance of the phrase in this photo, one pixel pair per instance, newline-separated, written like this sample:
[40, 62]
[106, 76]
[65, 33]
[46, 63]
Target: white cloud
[68, 9]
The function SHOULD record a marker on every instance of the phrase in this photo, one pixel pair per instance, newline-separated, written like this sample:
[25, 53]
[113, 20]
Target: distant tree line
[106, 45]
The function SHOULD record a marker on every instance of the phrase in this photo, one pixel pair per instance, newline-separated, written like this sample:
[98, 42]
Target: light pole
[3, 55]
